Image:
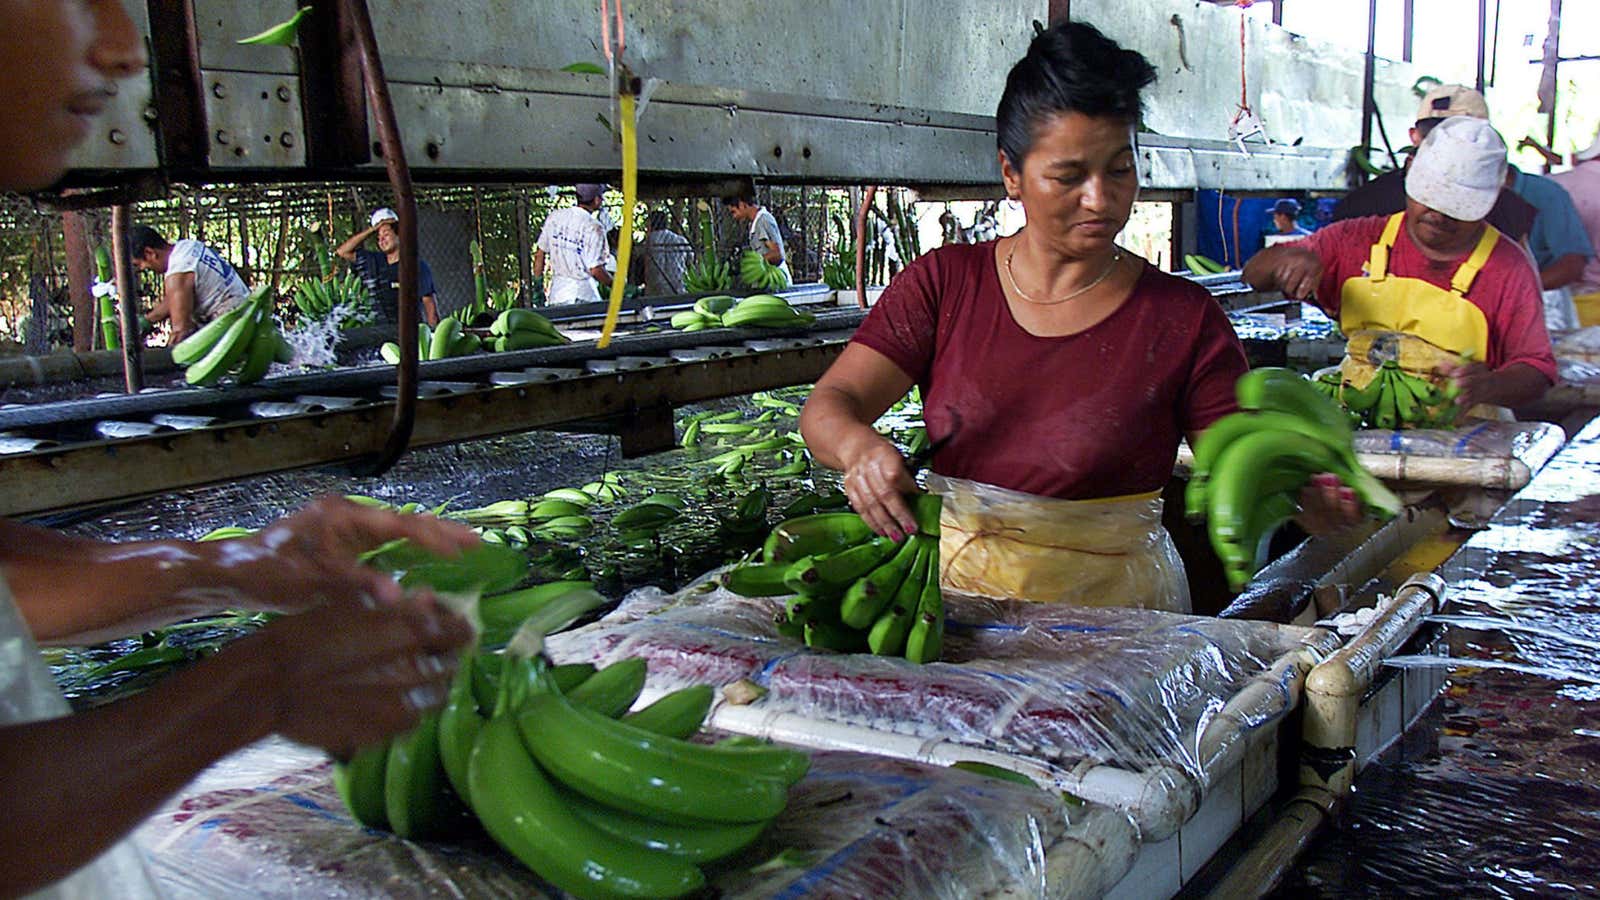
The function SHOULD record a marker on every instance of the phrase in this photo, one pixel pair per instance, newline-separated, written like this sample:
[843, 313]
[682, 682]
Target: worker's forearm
[835, 428]
[74, 590]
[773, 255]
[347, 250]
[430, 310]
[75, 785]
[600, 274]
[1562, 272]
[1516, 385]
[180, 308]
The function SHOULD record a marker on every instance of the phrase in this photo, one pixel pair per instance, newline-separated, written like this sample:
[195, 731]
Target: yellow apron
[1588, 307]
[1001, 543]
[1415, 322]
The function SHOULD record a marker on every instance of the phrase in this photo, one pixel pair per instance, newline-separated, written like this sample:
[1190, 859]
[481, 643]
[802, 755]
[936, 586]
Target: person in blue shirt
[1558, 242]
[380, 269]
[1285, 223]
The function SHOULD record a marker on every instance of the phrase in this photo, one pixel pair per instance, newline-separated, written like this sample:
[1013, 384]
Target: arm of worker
[347, 250]
[1564, 271]
[339, 677]
[430, 310]
[177, 304]
[73, 590]
[1551, 157]
[1290, 268]
[599, 273]
[771, 252]
[837, 426]
[427, 291]
[1511, 386]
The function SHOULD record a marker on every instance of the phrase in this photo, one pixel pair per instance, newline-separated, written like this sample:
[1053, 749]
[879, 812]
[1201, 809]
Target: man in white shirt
[572, 244]
[197, 284]
[765, 237]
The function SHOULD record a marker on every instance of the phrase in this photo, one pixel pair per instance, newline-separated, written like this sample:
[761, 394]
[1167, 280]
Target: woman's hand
[312, 557]
[1327, 506]
[347, 675]
[877, 481]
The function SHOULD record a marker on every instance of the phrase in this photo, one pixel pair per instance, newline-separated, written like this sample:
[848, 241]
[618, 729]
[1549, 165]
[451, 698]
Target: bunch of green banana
[765, 311]
[524, 329]
[707, 313]
[839, 273]
[755, 272]
[1250, 466]
[241, 342]
[1203, 265]
[707, 275]
[608, 807]
[852, 590]
[1395, 398]
[443, 342]
[316, 298]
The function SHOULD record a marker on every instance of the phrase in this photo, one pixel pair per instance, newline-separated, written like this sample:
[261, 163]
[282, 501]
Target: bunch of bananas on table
[524, 329]
[1250, 466]
[754, 311]
[317, 298]
[241, 342]
[598, 801]
[755, 272]
[1202, 265]
[706, 275]
[443, 342]
[1394, 398]
[853, 590]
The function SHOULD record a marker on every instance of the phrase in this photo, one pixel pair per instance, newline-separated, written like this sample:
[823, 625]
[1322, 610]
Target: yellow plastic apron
[1419, 324]
[1588, 307]
[1002, 543]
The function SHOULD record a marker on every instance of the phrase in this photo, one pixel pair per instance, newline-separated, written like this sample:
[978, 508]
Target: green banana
[690, 843]
[1285, 390]
[864, 600]
[570, 495]
[193, 348]
[527, 815]
[830, 572]
[229, 349]
[514, 320]
[925, 642]
[825, 634]
[360, 784]
[282, 34]
[815, 534]
[758, 580]
[645, 515]
[502, 614]
[443, 338]
[552, 508]
[418, 798]
[525, 340]
[642, 773]
[678, 714]
[887, 636]
[263, 349]
[613, 689]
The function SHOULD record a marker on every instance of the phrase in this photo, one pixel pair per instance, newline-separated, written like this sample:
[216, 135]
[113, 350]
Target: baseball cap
[384, 214]
[1287, 206]
[1459, 169]
[1447, 100]
[1592, 153]
[588, 192]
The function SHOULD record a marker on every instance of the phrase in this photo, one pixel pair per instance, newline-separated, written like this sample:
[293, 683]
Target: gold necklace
[1116, 257]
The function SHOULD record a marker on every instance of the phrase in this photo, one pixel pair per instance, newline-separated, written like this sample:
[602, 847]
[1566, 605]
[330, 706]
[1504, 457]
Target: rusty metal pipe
[127, 300]
[405, 205]
[861, 245]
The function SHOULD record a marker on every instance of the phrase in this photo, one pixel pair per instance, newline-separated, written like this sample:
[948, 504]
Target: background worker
[666, 255]
[1285, 223]
[1450, 288]
[1582, 184]
[572, 244]
[380, 269]
[1558, 243]
[765, 237]
[197, 284]
[1058, 371]
[1386, 194]
[353, 663]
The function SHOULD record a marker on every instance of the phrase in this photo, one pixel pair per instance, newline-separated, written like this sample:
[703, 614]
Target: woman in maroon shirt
[1055, 366]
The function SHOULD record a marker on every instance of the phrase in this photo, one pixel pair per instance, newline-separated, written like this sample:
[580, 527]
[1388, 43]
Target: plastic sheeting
[1582, 344]
[1077, 686]
[266, 823]
[1532, 443]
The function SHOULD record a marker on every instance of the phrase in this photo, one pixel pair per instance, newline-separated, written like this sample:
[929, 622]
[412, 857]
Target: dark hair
[1424, 126]
[741, 196]
[657, 221]
[142, 238]
[1070, 67]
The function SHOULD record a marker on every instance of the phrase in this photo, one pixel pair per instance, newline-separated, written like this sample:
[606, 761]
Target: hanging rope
[1244, 96]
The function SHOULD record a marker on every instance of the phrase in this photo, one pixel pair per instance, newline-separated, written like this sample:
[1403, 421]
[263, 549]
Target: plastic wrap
[1582, 344]
[1532, 443]
[1110, 552]
[267, 823]
[1079, 687]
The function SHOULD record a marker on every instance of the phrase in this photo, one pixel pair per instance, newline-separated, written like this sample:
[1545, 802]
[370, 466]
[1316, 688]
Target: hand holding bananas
[877, 482]
[756, 272]
[853, 590]
[1250, 468]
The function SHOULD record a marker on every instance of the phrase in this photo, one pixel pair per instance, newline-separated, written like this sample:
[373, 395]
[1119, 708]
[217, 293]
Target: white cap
[1459, 169]
[384, 214]
[1446, 100]
[1592, 153]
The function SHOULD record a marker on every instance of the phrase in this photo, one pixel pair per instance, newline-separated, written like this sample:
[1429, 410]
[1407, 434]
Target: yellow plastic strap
[1378, 262]
[630, 186]
[1468, 271]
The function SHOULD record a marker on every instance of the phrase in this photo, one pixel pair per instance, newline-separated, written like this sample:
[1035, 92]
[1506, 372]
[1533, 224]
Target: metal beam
[1483, 38]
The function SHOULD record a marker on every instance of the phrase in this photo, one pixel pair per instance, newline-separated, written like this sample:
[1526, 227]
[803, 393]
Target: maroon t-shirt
[1094, 414]
[1506, 288]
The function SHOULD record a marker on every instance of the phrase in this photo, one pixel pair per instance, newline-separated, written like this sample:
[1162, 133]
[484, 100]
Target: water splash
[1417, 661]
[316, 341]
[1489, 623]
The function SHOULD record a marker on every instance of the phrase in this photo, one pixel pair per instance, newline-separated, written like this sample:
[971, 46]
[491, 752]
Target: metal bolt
[150, 114]
[224, 136]
[117, 137]
[283, 93]
[218, 91]
[286, 139]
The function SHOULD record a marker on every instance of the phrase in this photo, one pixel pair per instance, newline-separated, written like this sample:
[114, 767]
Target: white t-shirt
[764, 230]
[217, 287]
[573, 242]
